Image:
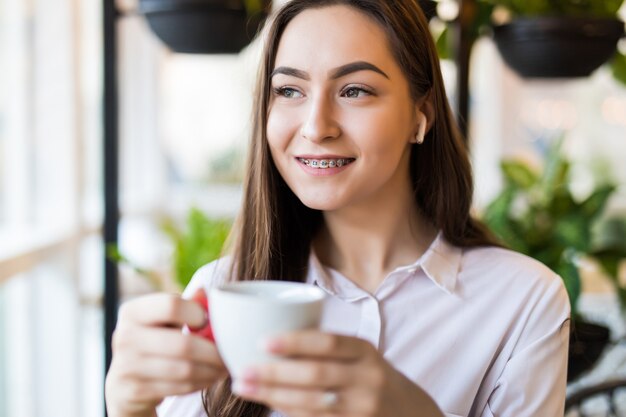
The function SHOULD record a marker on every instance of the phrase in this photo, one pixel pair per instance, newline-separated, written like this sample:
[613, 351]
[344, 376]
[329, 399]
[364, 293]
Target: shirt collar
[441, 263]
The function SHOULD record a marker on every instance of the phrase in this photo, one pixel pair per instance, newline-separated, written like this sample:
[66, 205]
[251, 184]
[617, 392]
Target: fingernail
[273, 345]
[250, 375]
[240, 387]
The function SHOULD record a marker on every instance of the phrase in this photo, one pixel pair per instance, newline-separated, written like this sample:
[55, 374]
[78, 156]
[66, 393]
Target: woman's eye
[355, 92]
[287, 92]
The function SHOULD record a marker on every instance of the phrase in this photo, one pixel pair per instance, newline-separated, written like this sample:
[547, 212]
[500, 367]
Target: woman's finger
[288, 398]
[162, 310]
[136, 391]
[304, 373]
[167, 369]
[316, 344]
[148, 341]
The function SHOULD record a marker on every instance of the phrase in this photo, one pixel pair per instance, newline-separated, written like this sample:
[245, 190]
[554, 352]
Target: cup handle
[201, 299]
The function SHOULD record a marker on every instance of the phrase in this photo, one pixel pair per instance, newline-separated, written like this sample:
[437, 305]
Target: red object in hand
[207, 332]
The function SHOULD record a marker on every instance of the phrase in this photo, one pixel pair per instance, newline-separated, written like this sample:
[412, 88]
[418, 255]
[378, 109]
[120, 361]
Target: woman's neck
[366, 242]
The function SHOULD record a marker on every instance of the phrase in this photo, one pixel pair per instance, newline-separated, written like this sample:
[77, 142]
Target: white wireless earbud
[419, 137]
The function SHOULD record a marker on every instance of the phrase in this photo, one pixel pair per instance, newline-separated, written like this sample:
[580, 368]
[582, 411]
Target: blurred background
[549, 155]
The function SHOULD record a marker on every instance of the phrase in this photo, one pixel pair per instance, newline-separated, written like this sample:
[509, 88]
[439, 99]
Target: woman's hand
[330, 375]
[153, 359]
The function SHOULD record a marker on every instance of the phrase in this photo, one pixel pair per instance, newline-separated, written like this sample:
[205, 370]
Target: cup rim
[316, 293]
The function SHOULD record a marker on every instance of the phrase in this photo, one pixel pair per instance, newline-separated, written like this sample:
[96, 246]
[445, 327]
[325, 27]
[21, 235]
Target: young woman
[359, 183]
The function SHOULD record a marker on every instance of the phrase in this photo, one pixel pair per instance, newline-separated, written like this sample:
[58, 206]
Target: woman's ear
[429, 111]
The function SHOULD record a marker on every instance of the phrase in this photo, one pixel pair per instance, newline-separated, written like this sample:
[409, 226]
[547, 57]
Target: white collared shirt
[484, 331]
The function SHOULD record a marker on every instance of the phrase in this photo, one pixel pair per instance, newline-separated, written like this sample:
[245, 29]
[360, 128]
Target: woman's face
[341, 118]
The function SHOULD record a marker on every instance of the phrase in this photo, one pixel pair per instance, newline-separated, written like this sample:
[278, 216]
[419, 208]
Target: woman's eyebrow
[354, 67]
[291, 72]
[335, 73]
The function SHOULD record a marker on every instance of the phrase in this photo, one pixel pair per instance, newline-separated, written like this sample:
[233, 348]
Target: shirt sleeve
[533, 381]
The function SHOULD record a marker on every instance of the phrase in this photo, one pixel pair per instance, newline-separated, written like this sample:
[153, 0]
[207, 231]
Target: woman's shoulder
[502, 259]
[210, 275]
[514, 285]
[516, 271]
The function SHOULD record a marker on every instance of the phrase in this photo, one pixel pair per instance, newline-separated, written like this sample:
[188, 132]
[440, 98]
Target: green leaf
[508, 232]
[599, 8]
[573, 231]
[618, 67]
[253, 6]
[562, 202]
[499, 209]
[498, 220]
[606, 8]
[610, 264]
[443, 44]
[550, 255]
[595, 203]
[519, 174]
[114, 254]
[532, 7]
[199, 243]
[571, 278]
[482, 20]
[610, 235]
[555, 173]
[536, 227]
[621, 296]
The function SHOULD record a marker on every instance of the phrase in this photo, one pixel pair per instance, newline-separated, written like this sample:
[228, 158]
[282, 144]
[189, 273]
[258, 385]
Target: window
[50, 252]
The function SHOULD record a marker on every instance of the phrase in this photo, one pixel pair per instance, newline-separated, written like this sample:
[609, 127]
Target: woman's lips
[324, 165]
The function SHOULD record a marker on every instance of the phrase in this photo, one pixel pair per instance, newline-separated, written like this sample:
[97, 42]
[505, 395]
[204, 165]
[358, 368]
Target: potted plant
[553, 38]
[565, 38]
[205, 26]
[536, 214]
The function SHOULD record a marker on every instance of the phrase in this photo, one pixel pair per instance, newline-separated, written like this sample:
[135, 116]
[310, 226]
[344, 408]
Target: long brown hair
[274, 230]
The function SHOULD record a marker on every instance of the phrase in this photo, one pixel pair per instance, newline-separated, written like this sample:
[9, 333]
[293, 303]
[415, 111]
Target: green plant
[486, 10]
[115, 255]
[254, 6]
[197, 244]
[536, 214]
[599, 8]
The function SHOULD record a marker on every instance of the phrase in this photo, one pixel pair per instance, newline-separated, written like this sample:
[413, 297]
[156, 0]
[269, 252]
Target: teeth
[326, 163]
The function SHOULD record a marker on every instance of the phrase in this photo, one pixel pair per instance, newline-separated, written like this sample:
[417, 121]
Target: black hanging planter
[557, 47]
[202, 26]
[586, 344]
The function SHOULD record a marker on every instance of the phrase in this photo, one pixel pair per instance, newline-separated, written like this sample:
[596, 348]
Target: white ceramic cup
[245, 314]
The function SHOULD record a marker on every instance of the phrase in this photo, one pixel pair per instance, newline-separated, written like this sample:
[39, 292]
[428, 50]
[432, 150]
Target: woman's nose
[320, 122]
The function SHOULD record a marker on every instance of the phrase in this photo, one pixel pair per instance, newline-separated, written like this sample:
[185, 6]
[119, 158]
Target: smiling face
[341, 118]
